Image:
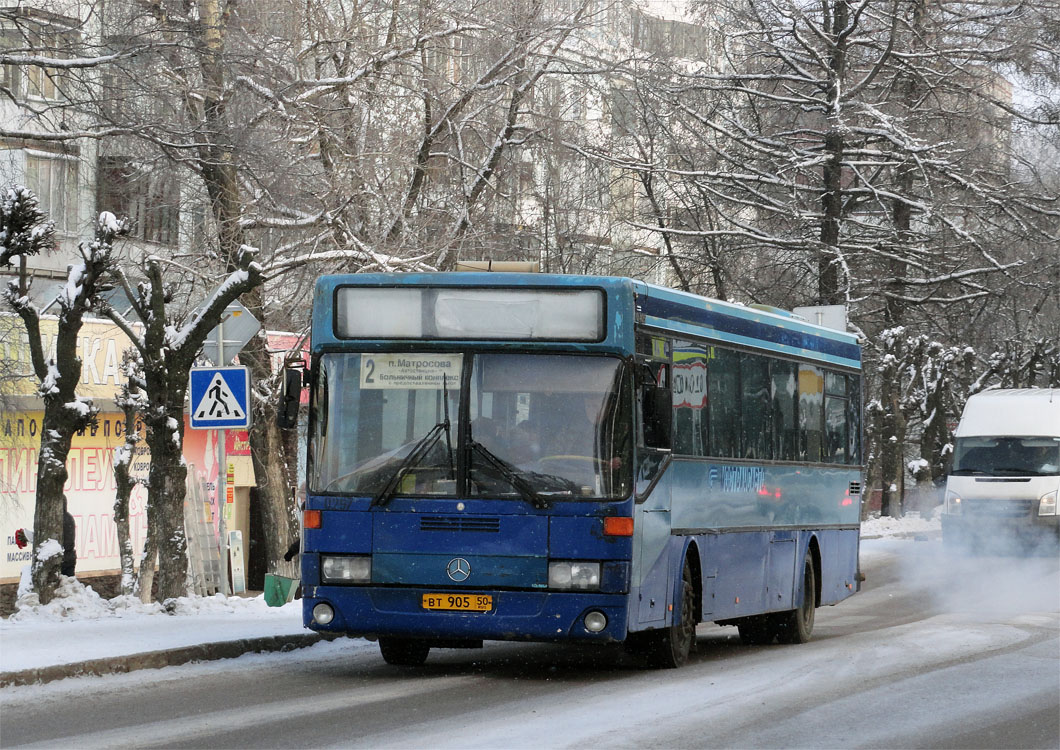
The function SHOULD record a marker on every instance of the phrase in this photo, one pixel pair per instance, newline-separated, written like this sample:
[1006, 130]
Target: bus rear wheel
[404, 652]
[796, 625]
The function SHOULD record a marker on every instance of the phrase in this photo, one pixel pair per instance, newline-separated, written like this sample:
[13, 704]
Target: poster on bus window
[689, 379]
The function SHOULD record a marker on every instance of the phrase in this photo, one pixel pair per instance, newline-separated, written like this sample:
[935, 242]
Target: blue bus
[496, 456]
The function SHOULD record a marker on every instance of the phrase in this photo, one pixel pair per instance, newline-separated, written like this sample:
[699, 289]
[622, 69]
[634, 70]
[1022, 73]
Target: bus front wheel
[668, 648]
[403, 652]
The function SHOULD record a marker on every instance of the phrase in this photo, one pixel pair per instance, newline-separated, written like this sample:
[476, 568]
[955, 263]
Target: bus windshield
[562, 422]
[1007, 456]
[537, 427]
[373, 413]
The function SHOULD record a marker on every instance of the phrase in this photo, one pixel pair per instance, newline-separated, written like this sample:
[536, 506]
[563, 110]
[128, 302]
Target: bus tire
[796, 625]
[403, 652]
[669, 648]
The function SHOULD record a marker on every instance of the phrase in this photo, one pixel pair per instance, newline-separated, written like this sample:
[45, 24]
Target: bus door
[651, 571]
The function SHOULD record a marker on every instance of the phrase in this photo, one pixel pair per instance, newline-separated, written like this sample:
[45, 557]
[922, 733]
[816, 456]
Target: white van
[1005, 478]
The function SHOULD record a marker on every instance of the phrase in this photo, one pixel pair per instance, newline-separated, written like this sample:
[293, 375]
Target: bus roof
[676, 312]
[779, 332]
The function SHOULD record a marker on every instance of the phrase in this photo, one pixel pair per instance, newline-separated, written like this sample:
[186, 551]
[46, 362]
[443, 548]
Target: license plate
[459, 602]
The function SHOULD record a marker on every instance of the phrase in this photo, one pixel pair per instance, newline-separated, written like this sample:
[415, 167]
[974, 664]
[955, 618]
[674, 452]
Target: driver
[577, 435]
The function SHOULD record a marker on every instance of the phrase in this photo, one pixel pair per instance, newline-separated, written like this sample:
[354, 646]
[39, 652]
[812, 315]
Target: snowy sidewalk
[81, 633]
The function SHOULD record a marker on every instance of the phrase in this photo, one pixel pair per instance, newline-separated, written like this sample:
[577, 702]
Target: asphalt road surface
[935, 652]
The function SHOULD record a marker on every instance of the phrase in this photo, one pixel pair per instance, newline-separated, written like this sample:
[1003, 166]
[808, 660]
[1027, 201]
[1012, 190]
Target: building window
[53, 179]
[45, 82]
[149, 197]
[9, 74]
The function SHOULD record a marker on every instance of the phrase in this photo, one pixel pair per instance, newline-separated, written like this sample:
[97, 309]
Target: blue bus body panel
[456, 533]
[507, 546]
[340, 532]
[722, 496]
[487, 571]
[582, 538]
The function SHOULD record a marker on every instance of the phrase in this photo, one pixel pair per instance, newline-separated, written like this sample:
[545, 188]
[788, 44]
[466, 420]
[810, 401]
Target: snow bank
[877, 526]
[75, 601]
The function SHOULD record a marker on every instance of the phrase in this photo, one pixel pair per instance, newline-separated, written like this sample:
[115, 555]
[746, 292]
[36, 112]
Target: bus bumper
[516, 615]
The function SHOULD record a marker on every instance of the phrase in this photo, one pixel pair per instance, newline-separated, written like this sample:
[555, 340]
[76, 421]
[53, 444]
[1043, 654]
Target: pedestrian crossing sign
[220, 398]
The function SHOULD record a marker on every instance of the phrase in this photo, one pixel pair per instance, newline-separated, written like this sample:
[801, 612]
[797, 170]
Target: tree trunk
[831, 206]
[50, 502]
[222, 184]
[124, 484]
[268, 448]
[166, 489]
[834, 146]
[892, 442]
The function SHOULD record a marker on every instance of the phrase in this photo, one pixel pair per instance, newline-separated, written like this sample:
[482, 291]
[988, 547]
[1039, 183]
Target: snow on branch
[24, 228]
[247, 276]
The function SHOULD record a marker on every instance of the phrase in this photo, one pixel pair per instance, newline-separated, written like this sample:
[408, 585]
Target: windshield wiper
[420, 450]
[448, 432]
[415, 455]
[969, 471]
[514, 477]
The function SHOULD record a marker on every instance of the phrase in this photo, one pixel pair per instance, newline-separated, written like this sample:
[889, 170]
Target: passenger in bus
[525, 443]
[576, 436]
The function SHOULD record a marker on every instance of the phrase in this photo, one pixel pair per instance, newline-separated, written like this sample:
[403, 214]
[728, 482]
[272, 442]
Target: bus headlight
[583, 576]
[595, 621]
[323, 614]
[1047, 505]
[953, 502]
[345, 569]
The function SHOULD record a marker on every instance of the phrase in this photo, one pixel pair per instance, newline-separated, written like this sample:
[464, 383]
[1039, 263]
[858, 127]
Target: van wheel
[796, 625]
[670, 647]
[404, 652]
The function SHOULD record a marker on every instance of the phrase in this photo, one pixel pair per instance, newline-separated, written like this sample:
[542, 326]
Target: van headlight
[345, 569]
[1047, 504]
[583, 576]
[953, 502]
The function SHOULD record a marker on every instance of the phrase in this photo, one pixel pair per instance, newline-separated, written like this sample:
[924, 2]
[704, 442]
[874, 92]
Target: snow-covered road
[934, 652]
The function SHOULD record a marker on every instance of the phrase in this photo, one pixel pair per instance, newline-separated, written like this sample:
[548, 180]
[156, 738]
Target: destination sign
[411, 371]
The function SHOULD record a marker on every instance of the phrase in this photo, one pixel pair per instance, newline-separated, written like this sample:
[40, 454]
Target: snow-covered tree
[132, 402]
[26, 231]
[166, 352]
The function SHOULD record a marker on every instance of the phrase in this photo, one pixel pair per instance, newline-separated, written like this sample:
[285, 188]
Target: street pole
[222, 471]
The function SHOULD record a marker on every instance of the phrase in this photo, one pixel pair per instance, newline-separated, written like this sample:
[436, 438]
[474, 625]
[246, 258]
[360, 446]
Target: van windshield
[1007, 456]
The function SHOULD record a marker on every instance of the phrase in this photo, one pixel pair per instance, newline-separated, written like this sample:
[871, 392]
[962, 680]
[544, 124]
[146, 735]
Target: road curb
[166, 658]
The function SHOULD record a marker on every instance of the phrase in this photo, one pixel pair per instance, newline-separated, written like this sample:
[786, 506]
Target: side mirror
[656, 410]
[290, 398]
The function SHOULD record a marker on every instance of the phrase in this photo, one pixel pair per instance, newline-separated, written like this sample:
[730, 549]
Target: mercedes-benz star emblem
[458, 569]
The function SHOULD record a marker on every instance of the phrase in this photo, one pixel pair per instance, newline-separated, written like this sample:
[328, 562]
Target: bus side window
[654, 405]
[656, 412]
